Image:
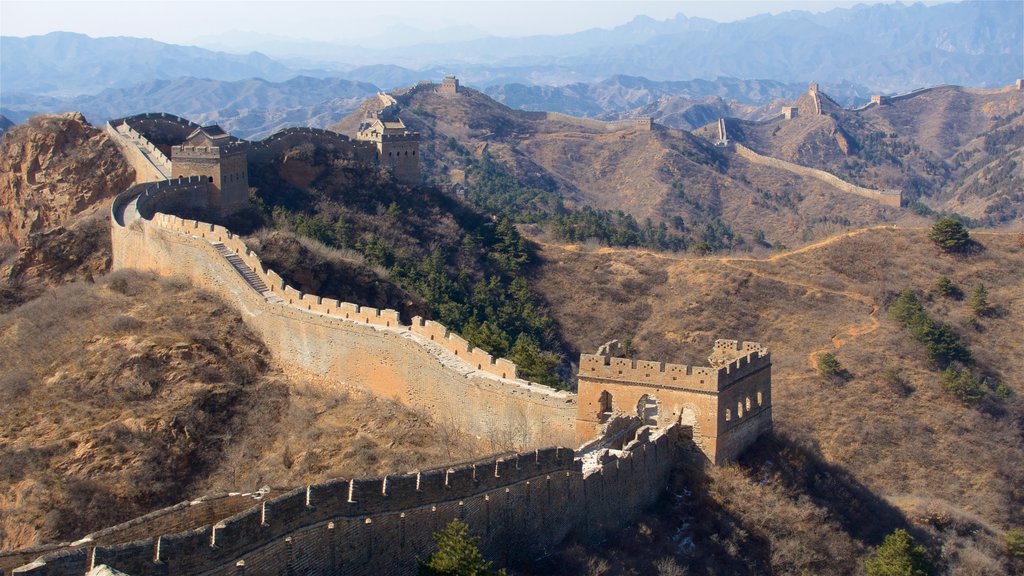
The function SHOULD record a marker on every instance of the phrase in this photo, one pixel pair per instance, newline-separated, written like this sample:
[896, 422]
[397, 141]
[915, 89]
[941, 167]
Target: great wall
[631, 419]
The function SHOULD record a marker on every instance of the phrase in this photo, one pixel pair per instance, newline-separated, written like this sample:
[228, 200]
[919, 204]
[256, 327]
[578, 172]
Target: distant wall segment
[892, 198]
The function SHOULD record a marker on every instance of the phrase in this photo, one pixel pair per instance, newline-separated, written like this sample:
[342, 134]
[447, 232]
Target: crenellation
[386, 359]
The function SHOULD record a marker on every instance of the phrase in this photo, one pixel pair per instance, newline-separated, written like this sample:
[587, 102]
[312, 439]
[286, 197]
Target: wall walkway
[888, 197]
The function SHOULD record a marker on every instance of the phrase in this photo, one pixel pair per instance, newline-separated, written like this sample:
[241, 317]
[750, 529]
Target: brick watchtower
[725, 406]
[210, 151]
[397, 147]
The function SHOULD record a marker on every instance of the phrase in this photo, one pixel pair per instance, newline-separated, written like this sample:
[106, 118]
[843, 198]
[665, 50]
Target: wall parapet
[430, 330]
[519, 504]
[892, 198]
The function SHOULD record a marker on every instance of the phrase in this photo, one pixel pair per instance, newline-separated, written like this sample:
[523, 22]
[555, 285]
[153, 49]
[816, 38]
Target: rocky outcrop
[53, 168]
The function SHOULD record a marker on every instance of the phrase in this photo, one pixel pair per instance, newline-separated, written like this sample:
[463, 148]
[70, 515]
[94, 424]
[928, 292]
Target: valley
[594, 301]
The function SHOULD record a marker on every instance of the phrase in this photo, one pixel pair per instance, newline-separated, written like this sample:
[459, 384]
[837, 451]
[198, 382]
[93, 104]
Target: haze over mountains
[851, 52]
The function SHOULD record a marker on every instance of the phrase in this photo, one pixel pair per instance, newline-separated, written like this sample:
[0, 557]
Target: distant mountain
[66, 64]
[888, 47]
[251, 108]
[667, 102]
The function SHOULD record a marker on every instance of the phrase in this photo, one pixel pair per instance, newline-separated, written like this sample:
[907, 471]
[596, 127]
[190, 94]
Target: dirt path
[837, 339]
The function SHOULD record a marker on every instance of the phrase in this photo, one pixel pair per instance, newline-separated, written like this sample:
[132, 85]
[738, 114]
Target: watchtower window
[748, 403]
[758, 397]
[605, 403]
[728, 415]
[739, 409]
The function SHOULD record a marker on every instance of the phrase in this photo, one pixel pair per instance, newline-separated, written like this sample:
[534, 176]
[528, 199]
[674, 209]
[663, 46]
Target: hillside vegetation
[133, 393]
[950, 148]
[667, 176]
[884, 446]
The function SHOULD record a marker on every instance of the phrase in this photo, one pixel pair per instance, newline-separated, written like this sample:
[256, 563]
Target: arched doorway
[647, 410]
[604, 404]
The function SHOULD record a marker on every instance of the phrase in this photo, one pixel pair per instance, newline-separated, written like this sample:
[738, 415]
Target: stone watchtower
[449, 86]
[725, 406]
[211, 152]
[398, 147]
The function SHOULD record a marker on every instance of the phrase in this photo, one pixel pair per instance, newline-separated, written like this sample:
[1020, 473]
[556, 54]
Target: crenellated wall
[892, 198]
[337, 343]
[642, 124]
[273, 145]
[725, 406]
[522, 506]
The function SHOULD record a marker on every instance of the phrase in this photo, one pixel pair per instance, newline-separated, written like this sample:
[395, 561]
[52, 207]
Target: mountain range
[886, 47]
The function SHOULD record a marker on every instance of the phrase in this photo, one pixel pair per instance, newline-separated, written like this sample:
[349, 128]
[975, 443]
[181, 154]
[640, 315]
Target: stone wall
[272, 146]
[642, 124]
[892, 198]
[148, 162]
[726, 406]
[336, 343]
[521, 506]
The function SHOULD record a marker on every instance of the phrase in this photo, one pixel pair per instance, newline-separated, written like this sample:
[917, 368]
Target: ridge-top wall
[336, 343]
[521, 506]
[888, 197]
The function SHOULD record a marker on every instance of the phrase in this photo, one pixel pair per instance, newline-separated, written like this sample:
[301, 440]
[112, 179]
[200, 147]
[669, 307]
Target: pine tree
[458, 554]
[979, 300]
[950, 235]
[899, 555]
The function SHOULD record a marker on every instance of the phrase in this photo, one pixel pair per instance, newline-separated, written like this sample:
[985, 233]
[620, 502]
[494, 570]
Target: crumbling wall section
[522, 506]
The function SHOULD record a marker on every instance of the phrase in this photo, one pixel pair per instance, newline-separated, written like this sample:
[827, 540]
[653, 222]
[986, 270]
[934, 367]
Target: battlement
[215, 152]
[520, 505]
[646, 372]
[726, 405]
[449, 86]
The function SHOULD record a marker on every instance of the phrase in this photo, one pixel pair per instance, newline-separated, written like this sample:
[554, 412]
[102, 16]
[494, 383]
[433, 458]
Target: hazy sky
[186, 21]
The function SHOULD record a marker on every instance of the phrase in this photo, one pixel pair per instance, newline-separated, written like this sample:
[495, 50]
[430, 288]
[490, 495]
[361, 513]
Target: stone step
[239, 265]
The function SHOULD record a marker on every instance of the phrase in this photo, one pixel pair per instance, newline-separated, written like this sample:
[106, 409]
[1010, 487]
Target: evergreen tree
[458, 554]
[979, 300]
[828, 366]
[947, 289]
[950, 235]
[899, 555]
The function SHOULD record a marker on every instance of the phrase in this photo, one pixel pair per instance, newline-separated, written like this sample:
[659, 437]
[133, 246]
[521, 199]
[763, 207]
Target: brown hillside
[950, 469]
[630, 170]
[133, 393]
[52, 168]
[955, 148]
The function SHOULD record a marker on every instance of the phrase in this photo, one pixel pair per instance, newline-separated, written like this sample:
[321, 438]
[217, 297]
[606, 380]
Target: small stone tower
[210, 151]
[398, 148]
[790, 112]
[449, 86]
[723, 407]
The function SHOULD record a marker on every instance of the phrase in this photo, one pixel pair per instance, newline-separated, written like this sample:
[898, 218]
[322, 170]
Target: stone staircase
[250, 277]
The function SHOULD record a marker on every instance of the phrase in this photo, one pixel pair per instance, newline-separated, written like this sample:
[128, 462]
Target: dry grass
[899, 441]
[133, 393]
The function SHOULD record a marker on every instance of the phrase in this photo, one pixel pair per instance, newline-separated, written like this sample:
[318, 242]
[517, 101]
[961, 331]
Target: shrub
[829, 366]
[1015, 542]
[899, 555]
[944, 346]
[947, 289]
[950, 235]
[979, 301]
[962, 384]
[458, 554]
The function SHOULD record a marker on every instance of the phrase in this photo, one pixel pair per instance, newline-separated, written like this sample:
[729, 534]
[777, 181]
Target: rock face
[52, 168]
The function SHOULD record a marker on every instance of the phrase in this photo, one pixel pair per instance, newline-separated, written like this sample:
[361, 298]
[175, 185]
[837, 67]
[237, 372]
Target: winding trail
[838, 339]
